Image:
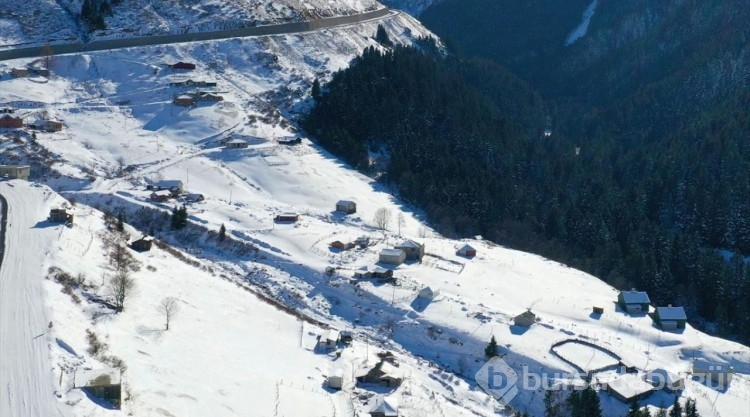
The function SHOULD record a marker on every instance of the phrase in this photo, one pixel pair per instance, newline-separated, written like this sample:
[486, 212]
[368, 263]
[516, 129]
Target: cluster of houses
[165, 190]
[191, 99]
[638, 302]
[8, 121]
[408, 250]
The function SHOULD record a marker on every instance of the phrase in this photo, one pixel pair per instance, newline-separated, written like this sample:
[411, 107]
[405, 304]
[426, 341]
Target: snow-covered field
[229, 353]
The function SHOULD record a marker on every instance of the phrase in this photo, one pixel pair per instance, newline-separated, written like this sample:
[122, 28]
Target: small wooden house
[336, 379]
[101, 383]
[236, 144]
[10, 122]
[383, 373]
[382, 273]
[143, 244]
[329, 339]
[363, 272]
[670, 318]
[60, 216]
[289, 140]
[414, 250]
[287, 217]
[392, 256]
[362, 241]
[525, 319]
[184, 100]
[175, 186]
[597, 310]
[467, 251]
[341, 245]
[346, 206]
[634, 302]
[161, 195]
[19, 72]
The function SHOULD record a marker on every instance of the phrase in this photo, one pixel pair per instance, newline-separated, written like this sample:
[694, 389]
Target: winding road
[278, 29]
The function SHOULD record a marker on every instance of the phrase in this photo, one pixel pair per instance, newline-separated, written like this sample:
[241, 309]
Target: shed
[414, 250]
[287, 217]
[670, 318]
[384, 407]
[236, 144]
[663, 379]
[60, 216]
[525, 319]
[597, 310]
[363, 272]
[466, 250]
[341, 245]
[9, 121]
[392, 256]
[380, 272]
[19, 172]
[428, 293]
[362, 241]
[336, 379]
[195, 197]
[634, 302]
[102, 383]
[329, 339]
[143, 244]
[346, 206]
[184, 100]
[718, 373]
[628, 388]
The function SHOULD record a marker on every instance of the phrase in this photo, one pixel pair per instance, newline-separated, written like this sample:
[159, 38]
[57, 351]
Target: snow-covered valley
[244, 340]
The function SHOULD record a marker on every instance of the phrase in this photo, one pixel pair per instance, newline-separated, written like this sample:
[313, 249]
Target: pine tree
[120, 222]
[634, 410]
[690, 409]
[179, 218]
[551, 409]
[590, 404]
[222, 233]
[491, 350]
[661, 413]
[676, 410]
[381, 36]
[316, 90]
[574, 404]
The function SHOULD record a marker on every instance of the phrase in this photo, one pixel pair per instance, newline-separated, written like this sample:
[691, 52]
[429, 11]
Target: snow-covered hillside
[233, 348]
[413, 7]
[40, 21]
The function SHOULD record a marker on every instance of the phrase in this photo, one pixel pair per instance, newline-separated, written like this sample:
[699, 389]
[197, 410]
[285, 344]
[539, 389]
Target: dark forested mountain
[647, 172]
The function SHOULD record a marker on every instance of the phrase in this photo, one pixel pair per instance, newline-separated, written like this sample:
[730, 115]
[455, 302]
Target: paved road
[283, 28]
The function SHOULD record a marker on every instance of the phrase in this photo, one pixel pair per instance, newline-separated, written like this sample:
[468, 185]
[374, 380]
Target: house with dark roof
[9, 121]
[634, 302]
[670, 318]
[525, 319]
[182, 65]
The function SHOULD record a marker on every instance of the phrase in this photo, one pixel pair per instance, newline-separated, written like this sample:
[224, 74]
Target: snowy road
[26, 380]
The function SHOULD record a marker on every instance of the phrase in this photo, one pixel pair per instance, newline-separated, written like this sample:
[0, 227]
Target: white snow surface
[583, 27]
[26, 385]
[229, 353]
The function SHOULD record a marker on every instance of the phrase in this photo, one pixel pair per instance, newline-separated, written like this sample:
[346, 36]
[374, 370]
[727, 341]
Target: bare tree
[120, 286]
[168, 308]
[121, 259]
[401, 222]
[382, 218]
